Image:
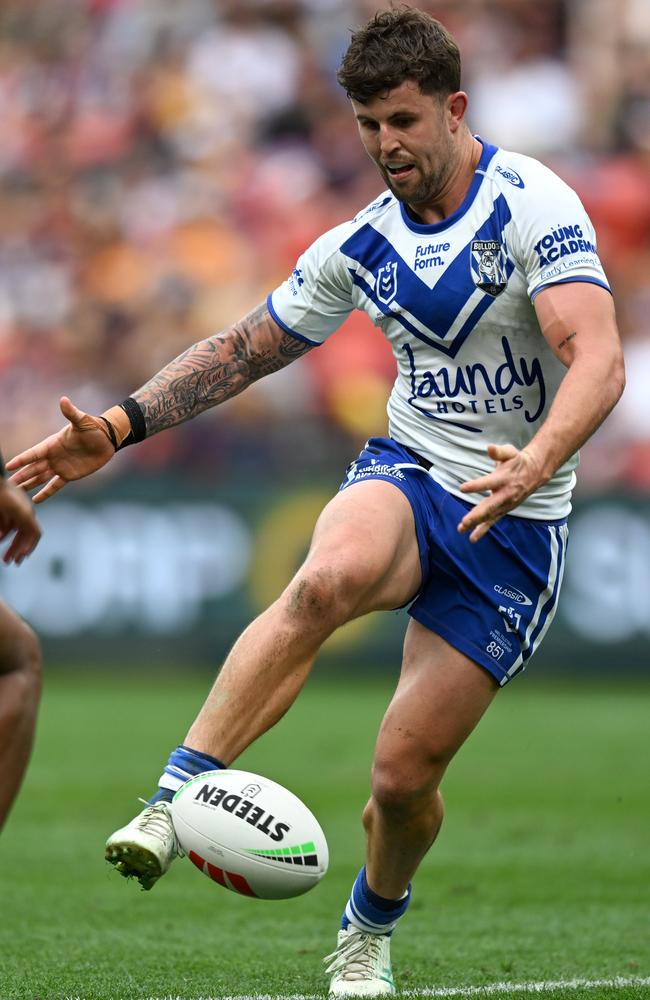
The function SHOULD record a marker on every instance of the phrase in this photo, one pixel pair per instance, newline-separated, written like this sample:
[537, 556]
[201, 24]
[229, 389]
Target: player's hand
[516, 476]
[17, 517]
[77, 450]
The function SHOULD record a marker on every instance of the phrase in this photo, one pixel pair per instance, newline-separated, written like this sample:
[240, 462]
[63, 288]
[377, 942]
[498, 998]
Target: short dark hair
[398, 45]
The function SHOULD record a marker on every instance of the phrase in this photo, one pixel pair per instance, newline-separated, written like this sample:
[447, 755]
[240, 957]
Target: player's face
[408, 135]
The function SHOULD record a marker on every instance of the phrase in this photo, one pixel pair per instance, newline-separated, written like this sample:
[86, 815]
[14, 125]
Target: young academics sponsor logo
[563, 266]
[562, 242]
[488, 266]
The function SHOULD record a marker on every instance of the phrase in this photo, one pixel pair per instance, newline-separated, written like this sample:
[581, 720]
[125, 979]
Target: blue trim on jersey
[440, 305]
[480, 308]
[387, 311]
[287, 329]
[457, 284]
[477, 180]
[569, 280]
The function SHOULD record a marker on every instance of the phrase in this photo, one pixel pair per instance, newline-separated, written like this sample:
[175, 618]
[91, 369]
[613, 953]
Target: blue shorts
[493, 600]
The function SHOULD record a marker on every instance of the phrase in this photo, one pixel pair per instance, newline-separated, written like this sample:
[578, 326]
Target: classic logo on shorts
[512, 594]
[489, 266]
[387, 282]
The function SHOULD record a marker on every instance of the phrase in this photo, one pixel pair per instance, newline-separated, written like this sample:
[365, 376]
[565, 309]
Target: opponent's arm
[206, 374]
[577, 320]
[17, 518]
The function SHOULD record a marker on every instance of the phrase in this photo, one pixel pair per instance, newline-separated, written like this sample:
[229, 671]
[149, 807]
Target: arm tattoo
[566, 340]
[216, 369]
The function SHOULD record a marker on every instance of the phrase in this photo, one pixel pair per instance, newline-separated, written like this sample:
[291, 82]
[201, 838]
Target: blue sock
[183, 763]
[370, 912]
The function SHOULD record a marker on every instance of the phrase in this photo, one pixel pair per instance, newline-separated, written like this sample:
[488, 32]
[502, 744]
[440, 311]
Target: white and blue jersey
[455, 301]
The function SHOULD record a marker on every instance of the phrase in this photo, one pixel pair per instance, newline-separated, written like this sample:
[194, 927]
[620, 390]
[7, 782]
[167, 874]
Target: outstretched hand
[77, 450]
[17, 518]
[516, 476]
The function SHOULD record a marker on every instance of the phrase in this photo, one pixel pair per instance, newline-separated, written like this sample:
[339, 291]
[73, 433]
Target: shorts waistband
[424, 462]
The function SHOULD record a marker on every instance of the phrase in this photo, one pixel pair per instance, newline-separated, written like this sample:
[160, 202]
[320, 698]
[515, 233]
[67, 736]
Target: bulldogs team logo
[489, 266]
[387, 282]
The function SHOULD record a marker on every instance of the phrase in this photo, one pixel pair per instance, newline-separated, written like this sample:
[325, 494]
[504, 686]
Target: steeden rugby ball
[249, 834]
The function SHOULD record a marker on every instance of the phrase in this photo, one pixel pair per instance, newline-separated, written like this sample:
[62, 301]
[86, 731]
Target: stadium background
[161, 168]
[162, 164]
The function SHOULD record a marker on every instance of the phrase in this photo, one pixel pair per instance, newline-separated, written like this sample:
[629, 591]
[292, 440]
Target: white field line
[550, 986]
[546, 986]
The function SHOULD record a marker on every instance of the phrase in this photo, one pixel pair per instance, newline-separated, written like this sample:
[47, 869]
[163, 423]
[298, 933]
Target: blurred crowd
[163, 164]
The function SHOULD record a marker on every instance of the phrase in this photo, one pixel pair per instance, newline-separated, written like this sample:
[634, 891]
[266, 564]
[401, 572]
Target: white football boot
[360, 965]
[145, 847]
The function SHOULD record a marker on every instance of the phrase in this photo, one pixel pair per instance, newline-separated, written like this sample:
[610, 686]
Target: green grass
[541, 871]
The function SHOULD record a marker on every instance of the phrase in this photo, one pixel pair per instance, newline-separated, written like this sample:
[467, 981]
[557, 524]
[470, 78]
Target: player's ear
[456, 106]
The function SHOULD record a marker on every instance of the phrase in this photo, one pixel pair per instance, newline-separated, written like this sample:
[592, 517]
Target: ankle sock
[183, 763]
[370, 912]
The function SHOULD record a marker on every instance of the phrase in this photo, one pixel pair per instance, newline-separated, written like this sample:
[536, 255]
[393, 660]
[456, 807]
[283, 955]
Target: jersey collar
[477, 180]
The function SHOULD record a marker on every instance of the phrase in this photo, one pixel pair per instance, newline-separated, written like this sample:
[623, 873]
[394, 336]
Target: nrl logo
[387, 282]
[488, 266]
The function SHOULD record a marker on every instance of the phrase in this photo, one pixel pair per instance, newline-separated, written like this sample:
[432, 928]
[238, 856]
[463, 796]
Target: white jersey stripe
[564, 534]
[541, 603]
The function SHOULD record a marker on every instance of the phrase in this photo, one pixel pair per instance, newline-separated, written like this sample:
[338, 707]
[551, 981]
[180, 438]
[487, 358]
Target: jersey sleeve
[316, 297]
[554, 238]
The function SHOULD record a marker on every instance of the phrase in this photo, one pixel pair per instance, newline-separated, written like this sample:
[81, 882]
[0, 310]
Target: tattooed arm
[206, 374]
[212, 371]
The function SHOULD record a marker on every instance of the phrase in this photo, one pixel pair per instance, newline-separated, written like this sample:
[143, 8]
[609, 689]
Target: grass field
[541, 873]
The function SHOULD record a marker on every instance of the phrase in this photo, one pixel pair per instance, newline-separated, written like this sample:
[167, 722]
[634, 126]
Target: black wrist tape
[2, 466]
[110, 430]
[138, 430]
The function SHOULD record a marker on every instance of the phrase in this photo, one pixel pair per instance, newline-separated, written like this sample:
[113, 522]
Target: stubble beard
[426, 192]
[431, 185]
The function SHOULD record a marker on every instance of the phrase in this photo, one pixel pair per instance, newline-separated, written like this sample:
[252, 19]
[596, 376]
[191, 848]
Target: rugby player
[480, 267]
[20, 653]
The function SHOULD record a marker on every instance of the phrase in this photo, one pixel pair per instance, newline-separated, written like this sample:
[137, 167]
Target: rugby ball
[249, 834]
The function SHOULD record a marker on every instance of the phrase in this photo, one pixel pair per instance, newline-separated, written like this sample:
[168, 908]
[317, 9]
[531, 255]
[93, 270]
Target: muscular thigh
[366, 537]
[440, 697]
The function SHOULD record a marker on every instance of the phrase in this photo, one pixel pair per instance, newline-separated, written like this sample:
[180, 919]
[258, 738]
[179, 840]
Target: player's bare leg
[364, 556]
[440, 697]
[20, 688]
